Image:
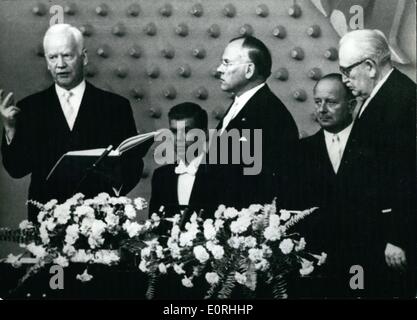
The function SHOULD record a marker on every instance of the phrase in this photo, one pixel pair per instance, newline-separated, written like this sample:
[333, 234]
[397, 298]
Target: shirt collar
[195, 162]
[380, 84]
[343, 135]
[244, 97]
[77, 90]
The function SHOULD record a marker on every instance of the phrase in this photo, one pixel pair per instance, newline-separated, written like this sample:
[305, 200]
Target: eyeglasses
[347, 70]
[226, 63]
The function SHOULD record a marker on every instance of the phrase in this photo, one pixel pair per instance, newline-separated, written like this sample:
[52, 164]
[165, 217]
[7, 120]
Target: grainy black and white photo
[191, 150]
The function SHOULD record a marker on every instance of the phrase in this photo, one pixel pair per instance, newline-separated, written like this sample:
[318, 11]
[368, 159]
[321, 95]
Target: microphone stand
[93, 167]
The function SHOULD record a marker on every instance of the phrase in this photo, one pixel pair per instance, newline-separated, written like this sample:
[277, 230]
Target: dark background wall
[124, 51]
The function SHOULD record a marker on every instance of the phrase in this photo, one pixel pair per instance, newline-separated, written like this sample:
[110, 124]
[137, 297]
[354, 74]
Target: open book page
[135, 140]
[124, 146]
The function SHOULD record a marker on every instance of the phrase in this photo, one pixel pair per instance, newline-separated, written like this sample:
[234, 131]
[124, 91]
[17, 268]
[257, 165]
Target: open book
[124, 146]
[81, 160]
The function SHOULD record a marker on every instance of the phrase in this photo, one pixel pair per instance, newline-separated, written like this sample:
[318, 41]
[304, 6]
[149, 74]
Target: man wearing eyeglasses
[245, 67]
[382, 163]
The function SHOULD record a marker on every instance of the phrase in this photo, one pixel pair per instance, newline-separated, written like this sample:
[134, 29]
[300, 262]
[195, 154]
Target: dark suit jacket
[165, 191]
[279, 140]
[43, 136]
[331, 229]
[382, 159]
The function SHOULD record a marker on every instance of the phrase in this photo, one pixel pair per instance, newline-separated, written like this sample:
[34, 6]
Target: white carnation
[285, 214]
[230, 213]
[186, 282]
[61, 261]
[286, 246]
[162, 268]
[255, 254]
[201, 254]
[209, 230]
[84, 211]
[272, 233]
[140, 203]
[212, 277]
[130, 211]
[240, 278]
[25, 224]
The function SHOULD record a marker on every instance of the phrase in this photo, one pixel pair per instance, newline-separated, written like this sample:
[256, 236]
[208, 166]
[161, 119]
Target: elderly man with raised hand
[72, 114]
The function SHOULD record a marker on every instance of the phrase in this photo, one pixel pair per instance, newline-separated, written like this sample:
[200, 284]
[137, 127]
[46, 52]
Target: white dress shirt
[186, 178]
[238, 105]
[70, 106]
[336, 144]
[374, 92]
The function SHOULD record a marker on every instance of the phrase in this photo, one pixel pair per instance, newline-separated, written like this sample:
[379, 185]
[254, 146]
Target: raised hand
[8, 110]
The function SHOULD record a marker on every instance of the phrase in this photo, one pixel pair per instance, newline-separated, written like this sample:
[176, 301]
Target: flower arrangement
[233, 249]
[81, 230]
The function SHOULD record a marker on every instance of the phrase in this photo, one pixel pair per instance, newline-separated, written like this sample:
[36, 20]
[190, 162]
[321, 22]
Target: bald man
[72, 114]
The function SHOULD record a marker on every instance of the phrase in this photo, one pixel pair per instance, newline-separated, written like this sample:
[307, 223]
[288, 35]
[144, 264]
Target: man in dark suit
[322, 183]
[246, 65]
[382, 164]
[70, 115]
[186, 183]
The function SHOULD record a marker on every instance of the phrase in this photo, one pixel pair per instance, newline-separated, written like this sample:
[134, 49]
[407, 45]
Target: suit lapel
[327, 163]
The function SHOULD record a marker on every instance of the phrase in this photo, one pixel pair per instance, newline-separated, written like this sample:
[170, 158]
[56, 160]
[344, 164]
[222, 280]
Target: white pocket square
[243, 139]
[388, 210]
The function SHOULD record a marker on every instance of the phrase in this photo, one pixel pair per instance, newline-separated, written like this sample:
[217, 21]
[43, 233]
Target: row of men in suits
[360, 173]
[374, 165]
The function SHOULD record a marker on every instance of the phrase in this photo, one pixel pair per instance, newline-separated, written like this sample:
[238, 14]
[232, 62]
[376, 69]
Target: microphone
[103, 155]
[93, 167]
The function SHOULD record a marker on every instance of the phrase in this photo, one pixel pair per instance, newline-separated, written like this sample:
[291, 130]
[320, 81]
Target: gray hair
[370, 44]
[62, 28]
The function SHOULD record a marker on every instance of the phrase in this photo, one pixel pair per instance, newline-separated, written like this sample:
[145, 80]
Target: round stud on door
[182, 30]
[168, 52]
[229, 10]
[169, 92]
[314, 31]
[201, 93]
[262, 10]
[153, 71]
[246, 30]
[150, 29]
[214, 31]
[184, 71]
[121, 72]
[119, 29]
[199, 52]
[137, 93]
[70, 9]
[281, 74]
[155, 112]
[197, 10]
[166, 10]
[133, 10]
[135, 51]
[279, 32]
[314, 74]
[299, 95]
[331, 54]
[90, 70]
[39, 9]
[103, 51]
[86, 30]
[297, 53]
[102, 10]
[295, 11]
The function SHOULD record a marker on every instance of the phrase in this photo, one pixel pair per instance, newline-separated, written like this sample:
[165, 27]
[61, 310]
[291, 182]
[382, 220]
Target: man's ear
[85, 56]
[372, 68]
[250, 70]
[352, 105]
